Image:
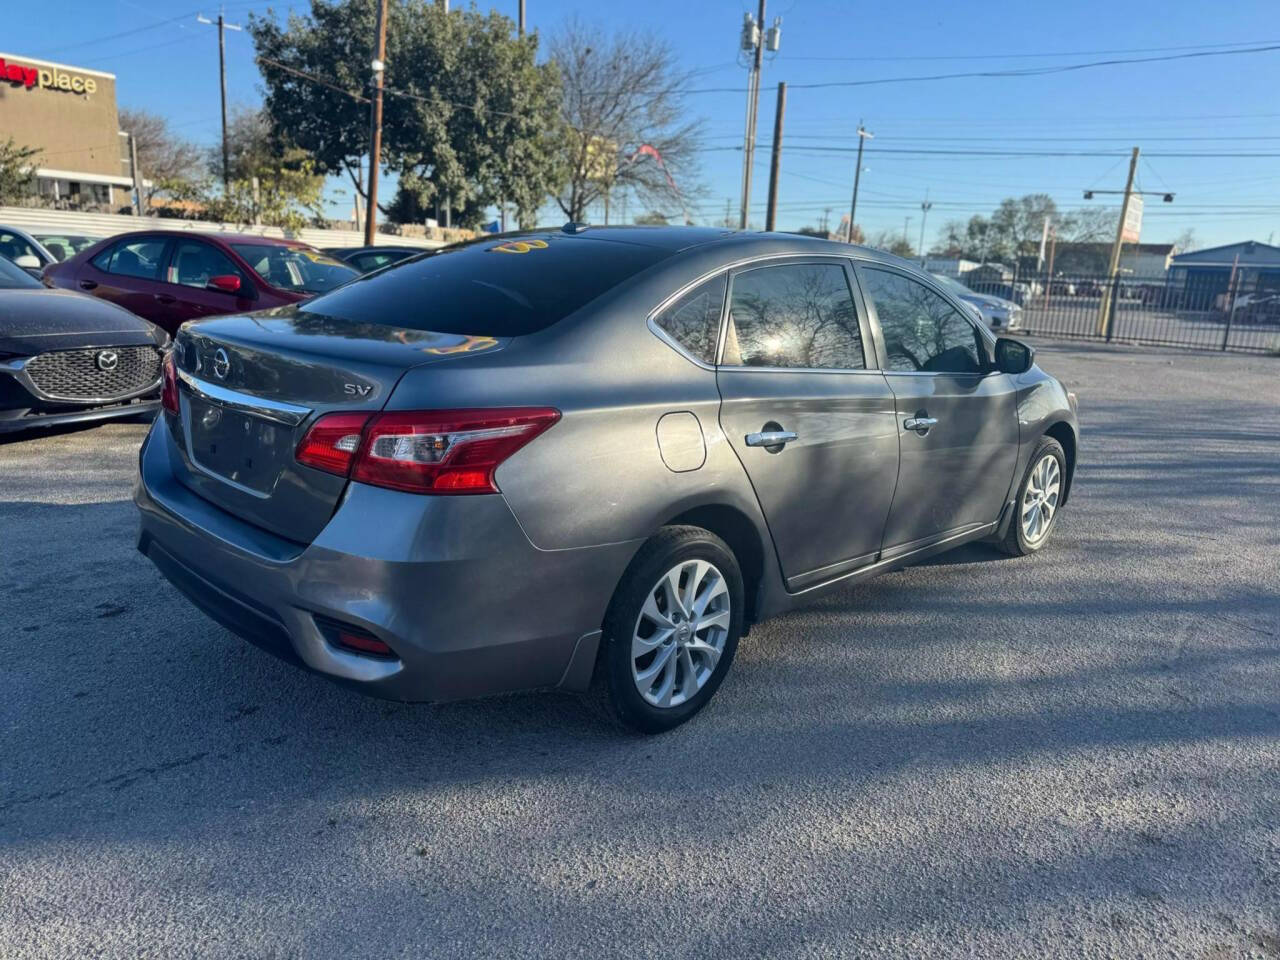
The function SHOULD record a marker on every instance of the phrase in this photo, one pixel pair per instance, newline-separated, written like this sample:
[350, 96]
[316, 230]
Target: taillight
[169, 385]
[446, 451]
[331, 443]
[433, 451]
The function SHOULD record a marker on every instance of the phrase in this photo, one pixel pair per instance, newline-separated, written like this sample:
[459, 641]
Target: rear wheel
[1035, 512]
[672, 629]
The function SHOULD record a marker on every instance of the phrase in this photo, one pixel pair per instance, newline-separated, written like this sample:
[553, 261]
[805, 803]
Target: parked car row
[84, 320]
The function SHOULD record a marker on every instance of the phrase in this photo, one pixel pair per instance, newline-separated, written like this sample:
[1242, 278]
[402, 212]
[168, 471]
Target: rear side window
[498, 288]
[133, 258]
[693, 321]
[793, 315]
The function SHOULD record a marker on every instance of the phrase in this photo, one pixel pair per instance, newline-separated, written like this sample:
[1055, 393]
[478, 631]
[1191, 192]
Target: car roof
[247, 238]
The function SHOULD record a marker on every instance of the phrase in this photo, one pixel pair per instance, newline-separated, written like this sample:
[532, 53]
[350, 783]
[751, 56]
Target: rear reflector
[431, 451]
[169, 385]
[363, 643]
[331, 443]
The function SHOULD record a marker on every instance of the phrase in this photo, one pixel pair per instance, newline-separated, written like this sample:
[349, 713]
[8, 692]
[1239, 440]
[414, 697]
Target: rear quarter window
[499, 288]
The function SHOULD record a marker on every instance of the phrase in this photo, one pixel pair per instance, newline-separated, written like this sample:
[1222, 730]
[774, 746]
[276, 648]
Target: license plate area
[237, 447]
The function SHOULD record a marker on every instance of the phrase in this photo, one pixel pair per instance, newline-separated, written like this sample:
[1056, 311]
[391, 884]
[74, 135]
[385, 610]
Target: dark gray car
[596, 454]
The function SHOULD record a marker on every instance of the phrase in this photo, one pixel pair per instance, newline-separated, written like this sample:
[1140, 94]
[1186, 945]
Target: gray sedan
[587, 458]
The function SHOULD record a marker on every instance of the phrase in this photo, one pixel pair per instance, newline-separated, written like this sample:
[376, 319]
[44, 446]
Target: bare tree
[165, 159]
[626, 128]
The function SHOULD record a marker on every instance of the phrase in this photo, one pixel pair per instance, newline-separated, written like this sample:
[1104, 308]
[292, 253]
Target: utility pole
[755, 38]
[863, 136]
[375, 127]
[771, 213]
[924, 213]
[1113, 269]
[906, 224]
[223, 27]
[521, 21]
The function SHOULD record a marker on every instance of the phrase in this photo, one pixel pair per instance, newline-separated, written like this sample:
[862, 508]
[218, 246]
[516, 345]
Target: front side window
[134, 258]
[194, 264]
[798, 315]
[923, 333]
[693, 321]
[296, 269]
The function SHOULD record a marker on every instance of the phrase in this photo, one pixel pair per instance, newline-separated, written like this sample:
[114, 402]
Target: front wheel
[1035, 512]
[672, 629]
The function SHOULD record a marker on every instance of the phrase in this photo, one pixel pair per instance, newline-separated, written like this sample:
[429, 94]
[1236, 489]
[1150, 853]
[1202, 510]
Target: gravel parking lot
[1070, 755]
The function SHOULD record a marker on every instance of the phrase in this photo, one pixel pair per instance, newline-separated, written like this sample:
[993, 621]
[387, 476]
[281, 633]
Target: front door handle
[87, 284]
[165, 298]
[919, 423]
[770, 438]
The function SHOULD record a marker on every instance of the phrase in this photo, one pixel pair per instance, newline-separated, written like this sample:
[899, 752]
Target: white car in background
[35, 248]
[996, 312]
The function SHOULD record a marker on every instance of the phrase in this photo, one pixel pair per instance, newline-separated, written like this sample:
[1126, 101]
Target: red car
[171, 276]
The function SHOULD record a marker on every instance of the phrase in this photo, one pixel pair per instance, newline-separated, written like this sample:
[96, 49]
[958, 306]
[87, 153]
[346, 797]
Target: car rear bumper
[451, 584]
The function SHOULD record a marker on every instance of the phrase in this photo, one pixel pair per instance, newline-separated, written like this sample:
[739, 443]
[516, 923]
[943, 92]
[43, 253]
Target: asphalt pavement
[1074, 755]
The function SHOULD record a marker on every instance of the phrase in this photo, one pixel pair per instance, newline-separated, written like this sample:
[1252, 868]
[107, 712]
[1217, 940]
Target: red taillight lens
[432, 451]
[446, 451]
[169, 385]
[331, 443]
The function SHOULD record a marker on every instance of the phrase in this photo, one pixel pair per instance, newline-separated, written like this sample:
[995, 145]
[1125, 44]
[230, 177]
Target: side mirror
[27, 262]
[1013, 356]
[227, 283]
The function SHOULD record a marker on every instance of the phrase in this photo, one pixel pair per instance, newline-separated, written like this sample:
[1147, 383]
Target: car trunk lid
[251, 386]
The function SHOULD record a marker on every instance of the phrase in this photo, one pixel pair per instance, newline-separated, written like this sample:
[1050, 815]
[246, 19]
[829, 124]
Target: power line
[1027, 72]
[1027, 56]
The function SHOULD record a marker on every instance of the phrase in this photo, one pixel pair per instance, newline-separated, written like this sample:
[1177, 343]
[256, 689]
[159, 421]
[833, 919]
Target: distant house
[1207, 273]
[1137, 260]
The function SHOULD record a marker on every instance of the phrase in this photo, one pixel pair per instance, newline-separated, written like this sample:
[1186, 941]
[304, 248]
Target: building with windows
[68, 114]
[1255, 267]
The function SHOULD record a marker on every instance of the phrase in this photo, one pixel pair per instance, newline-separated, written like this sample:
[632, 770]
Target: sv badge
[356, 389]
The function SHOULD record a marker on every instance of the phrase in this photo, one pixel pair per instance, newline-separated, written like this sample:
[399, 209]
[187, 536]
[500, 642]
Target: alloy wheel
[1040, 499]
[680, 633]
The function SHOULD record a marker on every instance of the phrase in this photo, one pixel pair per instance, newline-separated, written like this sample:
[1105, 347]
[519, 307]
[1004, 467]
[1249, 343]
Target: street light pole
[375, 128]
[863, 136]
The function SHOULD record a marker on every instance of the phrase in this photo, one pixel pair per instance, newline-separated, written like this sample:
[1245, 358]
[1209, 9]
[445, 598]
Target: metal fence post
[1233, 289]
[1111, 307]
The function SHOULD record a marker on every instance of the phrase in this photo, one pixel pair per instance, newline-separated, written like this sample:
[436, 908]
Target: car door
[128, 273]
[808, 414]
[956, 416]
[189, 276]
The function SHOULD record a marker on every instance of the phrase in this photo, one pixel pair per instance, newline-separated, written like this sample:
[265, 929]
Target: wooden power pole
[1109, 295]
[771, 213]
[375, 128]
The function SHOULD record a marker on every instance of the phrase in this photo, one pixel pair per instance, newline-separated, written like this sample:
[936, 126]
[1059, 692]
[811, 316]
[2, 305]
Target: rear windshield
[498, 288]
[13, 276]
[296, 269]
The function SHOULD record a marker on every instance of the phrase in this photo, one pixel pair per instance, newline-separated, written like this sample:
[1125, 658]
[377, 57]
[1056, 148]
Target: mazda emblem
[221, 364]
[107, 360]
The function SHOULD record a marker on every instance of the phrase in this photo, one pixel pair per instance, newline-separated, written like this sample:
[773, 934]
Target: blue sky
[1213, 104]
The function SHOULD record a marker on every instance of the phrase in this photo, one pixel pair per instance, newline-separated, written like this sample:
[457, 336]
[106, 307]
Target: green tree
[468, 112]
[17, 171]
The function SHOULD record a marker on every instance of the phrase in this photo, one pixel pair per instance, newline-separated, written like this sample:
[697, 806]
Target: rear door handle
[919, 423]
[87, 284]
[770, 438]
[165, 298]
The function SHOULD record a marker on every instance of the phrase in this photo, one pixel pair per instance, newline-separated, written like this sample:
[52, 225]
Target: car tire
[1039, 499]
[657, 666]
